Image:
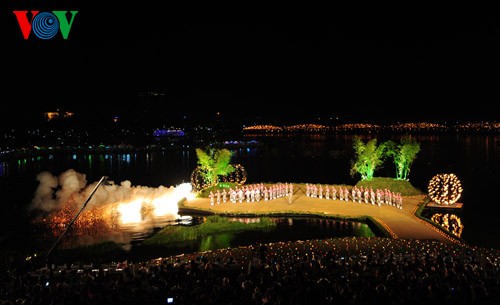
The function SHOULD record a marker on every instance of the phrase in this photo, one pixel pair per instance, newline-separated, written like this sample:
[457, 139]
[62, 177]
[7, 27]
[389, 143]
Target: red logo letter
[24, 23]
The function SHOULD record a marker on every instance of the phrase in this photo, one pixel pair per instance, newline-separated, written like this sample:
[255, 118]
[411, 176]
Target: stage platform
[456, 205]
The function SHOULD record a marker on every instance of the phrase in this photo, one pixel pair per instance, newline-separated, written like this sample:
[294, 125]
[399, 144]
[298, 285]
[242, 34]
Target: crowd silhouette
[348, 270]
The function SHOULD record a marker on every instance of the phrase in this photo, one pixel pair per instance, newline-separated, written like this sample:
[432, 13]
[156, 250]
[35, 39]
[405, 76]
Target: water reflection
[338, 226]
[130, 238]
[149, 226]
[287, 228]
[450, 222]
[218, 241]
[4, 169]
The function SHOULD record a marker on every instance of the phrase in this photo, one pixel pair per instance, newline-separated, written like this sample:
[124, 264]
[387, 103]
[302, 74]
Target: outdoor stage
[456, 205]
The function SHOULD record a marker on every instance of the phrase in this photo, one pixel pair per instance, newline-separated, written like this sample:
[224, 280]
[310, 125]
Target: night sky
[359, 69]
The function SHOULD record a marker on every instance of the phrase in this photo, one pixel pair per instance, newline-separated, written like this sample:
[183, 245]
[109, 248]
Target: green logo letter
[64, 25]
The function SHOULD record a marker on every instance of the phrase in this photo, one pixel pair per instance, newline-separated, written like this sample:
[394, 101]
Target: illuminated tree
[214, 163]
[403, 155]
[368, 158]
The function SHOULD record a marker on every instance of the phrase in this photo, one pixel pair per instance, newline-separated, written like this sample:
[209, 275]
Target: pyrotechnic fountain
[119, 213]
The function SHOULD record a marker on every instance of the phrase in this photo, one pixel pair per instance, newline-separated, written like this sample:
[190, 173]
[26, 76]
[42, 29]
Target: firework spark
[113, 209]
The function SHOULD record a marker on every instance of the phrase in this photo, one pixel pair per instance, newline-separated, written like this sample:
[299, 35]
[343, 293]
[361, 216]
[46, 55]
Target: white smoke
[44, 195]
[109, 193]
[54, 192]
[71, 183]
[131, 209]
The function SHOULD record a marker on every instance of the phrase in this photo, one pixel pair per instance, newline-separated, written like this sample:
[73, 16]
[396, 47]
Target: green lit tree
[368, 158]
[403, 155]
[214, 163]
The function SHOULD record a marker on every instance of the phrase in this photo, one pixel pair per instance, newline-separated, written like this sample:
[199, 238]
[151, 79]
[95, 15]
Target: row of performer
[251, 193]
[357, 194]
[258, 192]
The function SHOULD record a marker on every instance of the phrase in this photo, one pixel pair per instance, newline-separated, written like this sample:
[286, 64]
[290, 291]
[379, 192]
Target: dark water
[475, 159]
[286, 229]
[132, 248]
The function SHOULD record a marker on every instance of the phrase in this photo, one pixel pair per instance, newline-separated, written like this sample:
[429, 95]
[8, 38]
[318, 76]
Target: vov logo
[45, 25]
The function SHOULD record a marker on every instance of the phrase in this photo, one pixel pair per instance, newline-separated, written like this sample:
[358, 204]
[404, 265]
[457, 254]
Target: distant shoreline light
[404, 127]
[169, 133]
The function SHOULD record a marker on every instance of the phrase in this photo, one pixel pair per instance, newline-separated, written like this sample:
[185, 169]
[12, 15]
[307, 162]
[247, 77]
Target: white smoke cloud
[54, 192]
[71, 183]
[131, 209]
[109, 193]
[44, 195]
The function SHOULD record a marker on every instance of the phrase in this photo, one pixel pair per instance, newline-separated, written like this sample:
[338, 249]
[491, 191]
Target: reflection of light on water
[3, 168]
[244, 219]
[140, 231]
[321, 223]
[450, 222]
[185, 220]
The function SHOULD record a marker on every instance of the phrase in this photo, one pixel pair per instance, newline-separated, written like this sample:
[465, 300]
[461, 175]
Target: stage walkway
[400, 223]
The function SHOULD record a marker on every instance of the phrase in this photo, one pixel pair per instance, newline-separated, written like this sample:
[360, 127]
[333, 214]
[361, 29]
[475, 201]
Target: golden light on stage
[445, 189]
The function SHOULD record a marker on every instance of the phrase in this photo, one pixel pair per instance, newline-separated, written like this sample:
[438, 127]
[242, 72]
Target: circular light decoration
[445, 189]
[239, 176]
[197, 179]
